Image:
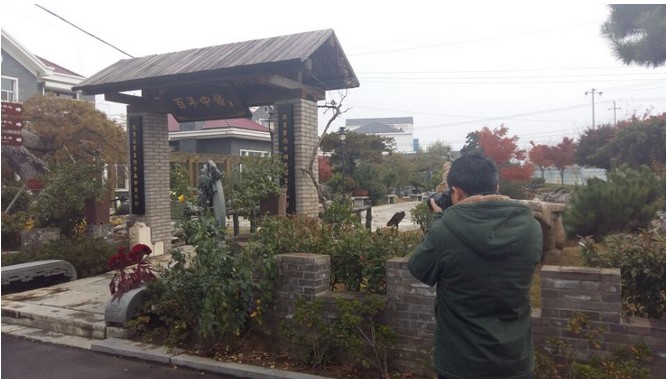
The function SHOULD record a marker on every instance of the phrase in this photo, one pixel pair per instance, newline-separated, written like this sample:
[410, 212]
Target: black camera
[442, 199]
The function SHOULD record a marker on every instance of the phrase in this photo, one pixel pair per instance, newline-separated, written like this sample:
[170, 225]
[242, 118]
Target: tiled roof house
[25, 74]
[236, 136]
[398, 128]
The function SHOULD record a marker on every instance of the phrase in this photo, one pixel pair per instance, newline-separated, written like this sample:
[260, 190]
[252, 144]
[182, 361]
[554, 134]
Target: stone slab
[46, 336]
[60, 320]
[237, 369]
[135, 349]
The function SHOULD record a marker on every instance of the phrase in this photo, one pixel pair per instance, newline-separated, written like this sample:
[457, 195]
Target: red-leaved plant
[127, 278]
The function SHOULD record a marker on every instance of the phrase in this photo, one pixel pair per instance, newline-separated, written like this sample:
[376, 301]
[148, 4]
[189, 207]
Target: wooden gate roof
[262, 71]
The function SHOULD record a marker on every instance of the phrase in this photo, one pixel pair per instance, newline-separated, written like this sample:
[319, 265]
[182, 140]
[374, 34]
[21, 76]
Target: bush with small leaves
[626, 202]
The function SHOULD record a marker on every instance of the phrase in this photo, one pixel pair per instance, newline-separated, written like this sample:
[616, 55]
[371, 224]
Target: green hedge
[88, 256]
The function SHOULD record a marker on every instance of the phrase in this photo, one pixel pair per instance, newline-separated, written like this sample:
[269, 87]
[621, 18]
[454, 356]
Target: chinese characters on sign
[286, 151]
[12, 123]
[210, 102]
[135, 134]
[9, 139]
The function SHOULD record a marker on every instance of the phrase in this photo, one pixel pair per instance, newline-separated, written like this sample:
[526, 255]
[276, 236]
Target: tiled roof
[238, 123]
[57, 68]
[316, 54]
[376, 127]
[385, 120]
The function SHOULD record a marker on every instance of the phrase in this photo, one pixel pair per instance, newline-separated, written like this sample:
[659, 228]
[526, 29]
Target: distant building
[25, 74]
[237, 136]
[398, 128]
[572, 175]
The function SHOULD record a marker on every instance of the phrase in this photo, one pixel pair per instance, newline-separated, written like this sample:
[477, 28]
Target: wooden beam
[290, 84]
[139, 103]
[262, 95]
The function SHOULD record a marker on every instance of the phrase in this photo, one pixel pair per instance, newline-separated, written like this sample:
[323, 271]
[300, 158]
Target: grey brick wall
[595, 292]
[409, 309]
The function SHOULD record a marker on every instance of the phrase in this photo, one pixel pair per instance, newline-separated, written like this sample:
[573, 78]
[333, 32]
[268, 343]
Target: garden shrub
[215, 295]
[18, 218]
[358, 255]
[88, 256]
[310, 329]
[641, 259]
[339, 212]
[295, 234]
[624, 363]
[362, 336]
[515, 189]
[22, 202]
[12, 225]
[61, 204]
[422, 216]
[627, 201]
[559, 359]
[350, 329]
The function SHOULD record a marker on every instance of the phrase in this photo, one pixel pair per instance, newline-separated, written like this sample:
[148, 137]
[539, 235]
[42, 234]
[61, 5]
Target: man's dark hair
[474, 173]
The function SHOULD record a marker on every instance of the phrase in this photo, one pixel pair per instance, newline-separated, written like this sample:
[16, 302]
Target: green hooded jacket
[482, 255]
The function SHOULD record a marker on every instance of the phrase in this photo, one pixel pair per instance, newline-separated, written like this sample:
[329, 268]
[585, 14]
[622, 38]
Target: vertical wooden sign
[286, 151]
[137, 195]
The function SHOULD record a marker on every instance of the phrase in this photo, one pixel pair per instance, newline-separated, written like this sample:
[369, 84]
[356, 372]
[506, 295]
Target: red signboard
[15, 109]
[9, 139]
[12, 123]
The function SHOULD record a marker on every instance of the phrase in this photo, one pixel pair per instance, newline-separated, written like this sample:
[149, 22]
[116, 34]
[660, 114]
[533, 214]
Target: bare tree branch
[336, 112]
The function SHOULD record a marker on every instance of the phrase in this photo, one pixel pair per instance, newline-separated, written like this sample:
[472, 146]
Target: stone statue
[211, 192]
[443, 185]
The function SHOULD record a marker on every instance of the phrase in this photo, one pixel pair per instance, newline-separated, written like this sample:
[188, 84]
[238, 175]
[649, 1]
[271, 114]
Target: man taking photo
[481, 252]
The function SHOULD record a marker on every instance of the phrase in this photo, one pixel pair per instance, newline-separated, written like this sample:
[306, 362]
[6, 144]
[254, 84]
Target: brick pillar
[409, 312]
[300, 276]
[156, 178]
[306, 138]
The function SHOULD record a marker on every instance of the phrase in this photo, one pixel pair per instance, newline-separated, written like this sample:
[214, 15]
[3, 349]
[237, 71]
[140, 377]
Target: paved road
[24, 359]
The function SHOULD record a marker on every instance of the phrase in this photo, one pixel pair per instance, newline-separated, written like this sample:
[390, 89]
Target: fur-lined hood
[491, 225]
[478, 198]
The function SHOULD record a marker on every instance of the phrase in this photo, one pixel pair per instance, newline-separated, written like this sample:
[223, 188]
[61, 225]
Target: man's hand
[434, 206]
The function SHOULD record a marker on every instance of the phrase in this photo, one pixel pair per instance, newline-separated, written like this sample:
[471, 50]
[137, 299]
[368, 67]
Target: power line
[97, 38]
[467, 41]
[436, 81]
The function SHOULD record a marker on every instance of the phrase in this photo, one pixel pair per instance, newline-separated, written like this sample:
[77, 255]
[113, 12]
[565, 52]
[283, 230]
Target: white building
[398, 128]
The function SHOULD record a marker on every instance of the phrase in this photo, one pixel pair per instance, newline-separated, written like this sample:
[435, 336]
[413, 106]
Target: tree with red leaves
[503, 150]
[539, 155]
[324, 169]
[562, 155]
[498, 146]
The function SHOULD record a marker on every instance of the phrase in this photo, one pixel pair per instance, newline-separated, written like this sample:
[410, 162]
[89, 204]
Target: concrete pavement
[72, 314]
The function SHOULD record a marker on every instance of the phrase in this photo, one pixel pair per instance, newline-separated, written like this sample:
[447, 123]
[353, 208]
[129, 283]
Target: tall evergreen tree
[637, 33]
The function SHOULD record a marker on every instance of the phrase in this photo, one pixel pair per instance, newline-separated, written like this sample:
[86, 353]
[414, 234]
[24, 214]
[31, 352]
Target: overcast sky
[454, 68]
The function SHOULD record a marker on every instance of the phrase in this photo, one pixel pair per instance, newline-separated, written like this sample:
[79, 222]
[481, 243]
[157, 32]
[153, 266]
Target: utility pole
[614, 108]
[592, 92]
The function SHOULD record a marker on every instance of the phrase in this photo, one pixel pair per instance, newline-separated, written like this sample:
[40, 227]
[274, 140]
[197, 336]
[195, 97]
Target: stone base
[125, 308]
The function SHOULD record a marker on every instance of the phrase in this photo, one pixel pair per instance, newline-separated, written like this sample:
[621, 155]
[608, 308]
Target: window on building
[9, 89]
[254, 153]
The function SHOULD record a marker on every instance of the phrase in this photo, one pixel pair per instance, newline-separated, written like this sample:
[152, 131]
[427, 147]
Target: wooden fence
[192, 163]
